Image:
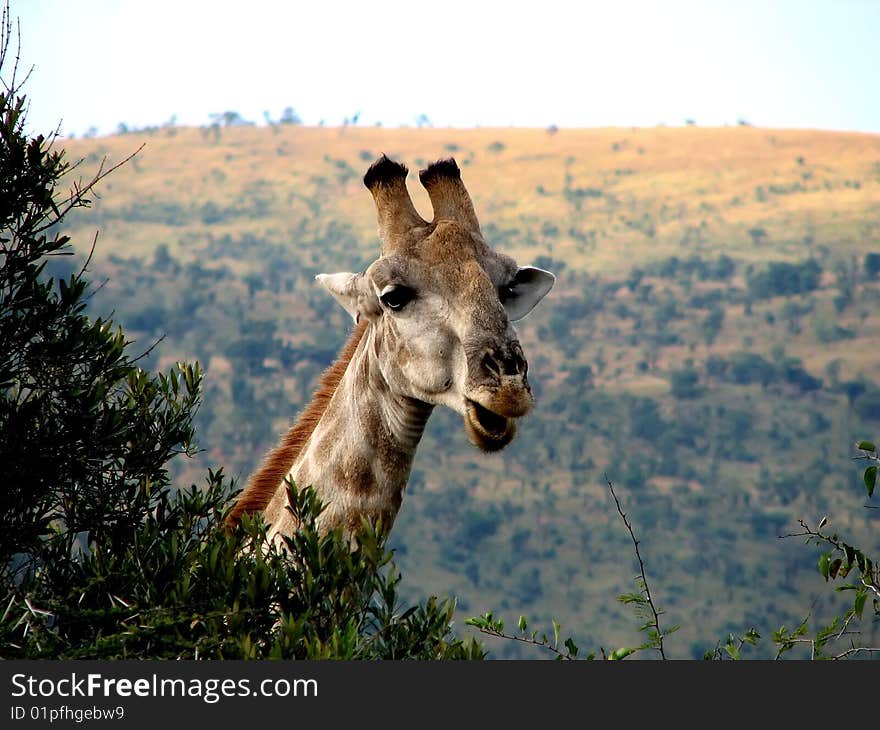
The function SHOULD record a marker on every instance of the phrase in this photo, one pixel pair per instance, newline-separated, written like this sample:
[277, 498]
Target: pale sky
[776, 63]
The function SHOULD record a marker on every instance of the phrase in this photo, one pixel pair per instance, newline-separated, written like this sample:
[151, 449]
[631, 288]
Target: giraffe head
[441, 303]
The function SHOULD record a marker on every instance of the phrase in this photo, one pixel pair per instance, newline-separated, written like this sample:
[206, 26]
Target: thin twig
[856, 650]
[635, 542]
[846, 623]
[85, 266]
[75, 197]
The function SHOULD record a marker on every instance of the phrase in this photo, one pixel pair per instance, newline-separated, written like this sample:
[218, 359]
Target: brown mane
[264, 482]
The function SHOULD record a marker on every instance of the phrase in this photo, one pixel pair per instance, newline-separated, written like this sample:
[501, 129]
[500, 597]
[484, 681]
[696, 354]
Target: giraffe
[432, 328]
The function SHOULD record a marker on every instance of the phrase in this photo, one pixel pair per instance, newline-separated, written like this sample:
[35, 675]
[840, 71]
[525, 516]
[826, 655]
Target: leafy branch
[838, 560]
[733, 645]
[786, 640]
[491, 626]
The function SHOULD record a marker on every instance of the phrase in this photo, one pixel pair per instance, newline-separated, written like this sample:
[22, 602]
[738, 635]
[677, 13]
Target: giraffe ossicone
[432, 328]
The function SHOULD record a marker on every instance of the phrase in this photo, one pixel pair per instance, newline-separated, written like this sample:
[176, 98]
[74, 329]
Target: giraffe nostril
[513, 365]
[491, 364]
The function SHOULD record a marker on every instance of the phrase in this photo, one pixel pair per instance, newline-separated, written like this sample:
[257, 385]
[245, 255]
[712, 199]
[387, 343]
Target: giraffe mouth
[487, 430]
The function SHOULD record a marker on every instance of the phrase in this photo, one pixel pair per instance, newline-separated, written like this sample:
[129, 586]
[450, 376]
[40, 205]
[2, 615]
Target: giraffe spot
[355, 474]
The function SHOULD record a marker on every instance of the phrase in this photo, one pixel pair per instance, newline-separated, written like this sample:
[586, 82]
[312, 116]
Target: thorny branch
[647, 591]
[76, 197]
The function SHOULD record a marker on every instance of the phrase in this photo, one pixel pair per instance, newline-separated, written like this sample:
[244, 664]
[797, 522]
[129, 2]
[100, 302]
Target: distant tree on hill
[229, 119]
[289, 116]
[872, 265]
[867, 404]
[711, 324]
[684, 383]
[781, 278]
[758, 235]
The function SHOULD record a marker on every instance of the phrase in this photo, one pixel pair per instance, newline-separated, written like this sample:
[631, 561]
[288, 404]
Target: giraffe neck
[359, 456]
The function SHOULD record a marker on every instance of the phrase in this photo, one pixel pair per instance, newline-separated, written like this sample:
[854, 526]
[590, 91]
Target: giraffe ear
[351, 291]
[529, 286]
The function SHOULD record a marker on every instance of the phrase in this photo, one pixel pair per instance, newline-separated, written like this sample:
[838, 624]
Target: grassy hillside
[679, 189]
[710, 345]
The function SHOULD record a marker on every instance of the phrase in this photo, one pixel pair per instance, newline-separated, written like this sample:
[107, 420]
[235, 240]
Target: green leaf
[834, 567]
[870, 479]
[621, 653]
[522, 624]
[571, 646]
[867, 446]
[556, 628]
[752, 637]
[825, 565]
[859, 603]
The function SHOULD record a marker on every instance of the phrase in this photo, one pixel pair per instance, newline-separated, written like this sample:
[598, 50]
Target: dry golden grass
[698, 190]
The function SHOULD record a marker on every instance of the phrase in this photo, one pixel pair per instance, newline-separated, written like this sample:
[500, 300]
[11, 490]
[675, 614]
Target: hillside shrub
[719, 269]
[867, 404]
[685, 383]
[872, 265]
[781, 278]
[746, 368]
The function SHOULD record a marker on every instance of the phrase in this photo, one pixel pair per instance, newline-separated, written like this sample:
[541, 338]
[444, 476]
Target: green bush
[685, 383]
[178, 585]
[867, 404]
[781, 278]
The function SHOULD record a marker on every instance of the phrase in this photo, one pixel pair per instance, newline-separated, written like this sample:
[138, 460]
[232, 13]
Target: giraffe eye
[397, 298]
[505, 292]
